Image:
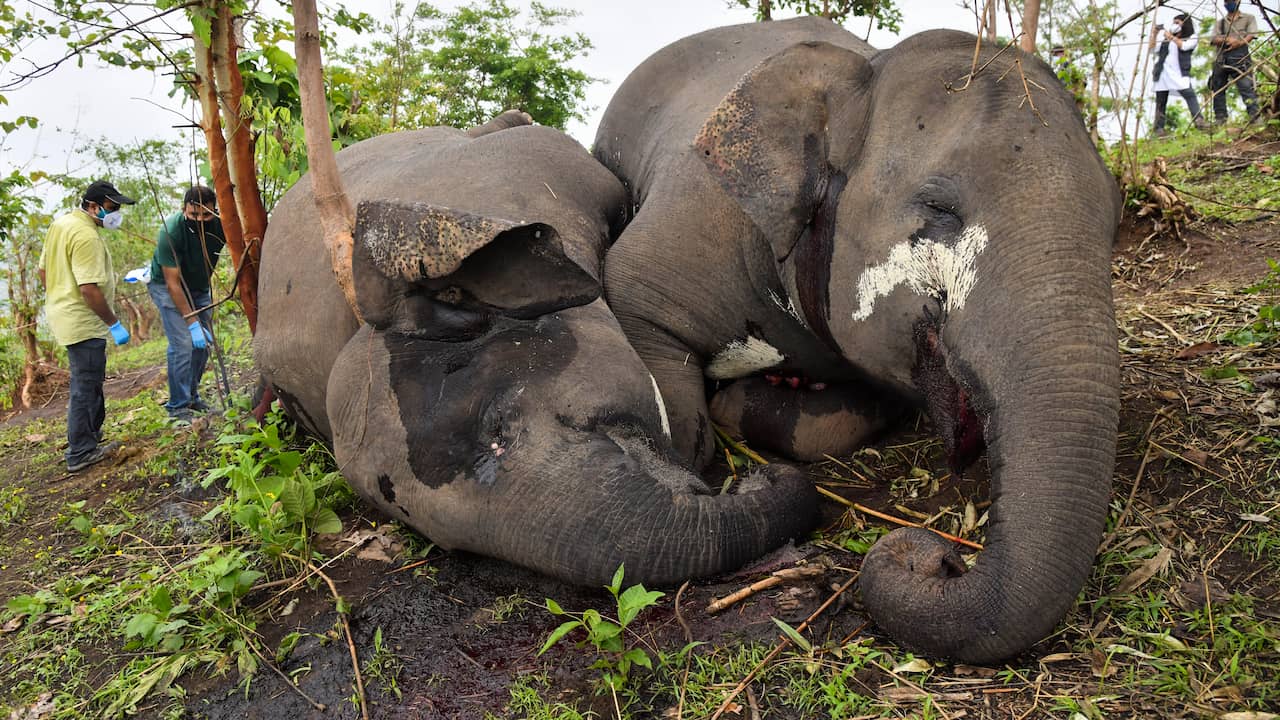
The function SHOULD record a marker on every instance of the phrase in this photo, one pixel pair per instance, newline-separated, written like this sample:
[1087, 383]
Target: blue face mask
[1231, 7]
[111, 220]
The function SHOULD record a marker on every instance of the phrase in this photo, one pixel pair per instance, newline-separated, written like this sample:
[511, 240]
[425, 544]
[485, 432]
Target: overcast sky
[130, 105]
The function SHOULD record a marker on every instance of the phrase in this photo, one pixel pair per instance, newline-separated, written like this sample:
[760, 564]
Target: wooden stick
[351, 643]
[778, 649]
[790, 574]
[739, 447]
[896, 521]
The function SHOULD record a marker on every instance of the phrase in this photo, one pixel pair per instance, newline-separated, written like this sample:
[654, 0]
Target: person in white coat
[1173, 47]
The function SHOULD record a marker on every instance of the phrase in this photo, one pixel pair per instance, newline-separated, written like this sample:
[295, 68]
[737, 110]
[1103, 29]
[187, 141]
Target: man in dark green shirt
[187, 250]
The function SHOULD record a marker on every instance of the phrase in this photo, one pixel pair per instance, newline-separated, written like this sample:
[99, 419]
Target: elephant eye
[941, 221]
[938, 203]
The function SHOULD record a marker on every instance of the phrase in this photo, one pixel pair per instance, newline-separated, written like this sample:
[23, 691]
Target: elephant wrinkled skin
[892, 231]
[489, 399]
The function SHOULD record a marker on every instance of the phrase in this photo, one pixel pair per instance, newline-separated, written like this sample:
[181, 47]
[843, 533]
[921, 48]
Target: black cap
[100, 190]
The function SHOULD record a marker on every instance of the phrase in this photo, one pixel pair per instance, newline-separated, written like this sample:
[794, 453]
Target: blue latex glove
[199, 336]
[119, 334]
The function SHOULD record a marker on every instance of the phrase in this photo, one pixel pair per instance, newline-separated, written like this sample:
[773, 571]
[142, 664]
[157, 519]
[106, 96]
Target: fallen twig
[351, 643]
[782, 644]
[777, 578]
[896, 521]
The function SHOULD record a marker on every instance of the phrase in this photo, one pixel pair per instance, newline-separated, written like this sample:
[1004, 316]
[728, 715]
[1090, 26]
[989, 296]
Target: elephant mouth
[949, 401]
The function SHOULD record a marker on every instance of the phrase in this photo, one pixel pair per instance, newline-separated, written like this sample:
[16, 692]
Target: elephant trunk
[619, 503]
[1042, 383]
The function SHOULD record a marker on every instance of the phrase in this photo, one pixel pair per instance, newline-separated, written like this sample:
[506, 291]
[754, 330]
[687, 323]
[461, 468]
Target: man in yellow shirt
[75, 267]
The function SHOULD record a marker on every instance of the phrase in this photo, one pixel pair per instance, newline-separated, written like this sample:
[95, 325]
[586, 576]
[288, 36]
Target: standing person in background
[1173, 69]
[187, 250]
[1233, 65]
[80, 285]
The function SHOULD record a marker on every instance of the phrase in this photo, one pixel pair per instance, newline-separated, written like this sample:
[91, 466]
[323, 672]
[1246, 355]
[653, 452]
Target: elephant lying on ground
[893, 230]
[489, 398]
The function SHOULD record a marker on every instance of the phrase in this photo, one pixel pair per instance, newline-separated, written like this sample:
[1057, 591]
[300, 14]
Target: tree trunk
[206, 89]
[989, 19]
[240, 160]
[1030, 24]
[1095, 99]
[337, 218]
[22, 306]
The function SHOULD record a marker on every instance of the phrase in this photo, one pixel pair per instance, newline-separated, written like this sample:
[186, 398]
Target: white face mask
[111, 220]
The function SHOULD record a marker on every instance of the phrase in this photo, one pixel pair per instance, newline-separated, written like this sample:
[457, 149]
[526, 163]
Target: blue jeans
[86, 408]
[186, 362]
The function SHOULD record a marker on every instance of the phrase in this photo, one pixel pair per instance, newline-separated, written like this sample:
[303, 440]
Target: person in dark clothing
[187, 250]
[1233, 65]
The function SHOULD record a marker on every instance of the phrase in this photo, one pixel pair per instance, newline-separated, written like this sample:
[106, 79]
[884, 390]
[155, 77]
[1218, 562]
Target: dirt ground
[465, 627]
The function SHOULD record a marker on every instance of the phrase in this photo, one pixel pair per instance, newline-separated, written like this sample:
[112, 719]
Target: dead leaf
[974, 671]
[1196, 457]
[35, 437]
[1061, 657]
[10, 626]
[1248, 715]
[1149, 569]
[1195, 351]
[1100, 664]
[1169, 396]
[1253, 517]
[915, 665]
[1195, 595]
[902, 694]
[41, 708]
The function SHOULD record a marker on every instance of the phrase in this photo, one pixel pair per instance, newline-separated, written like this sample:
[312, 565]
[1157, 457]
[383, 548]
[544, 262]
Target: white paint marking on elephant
[740, 358]
[662, 408]
[928, 268]
[788, 307]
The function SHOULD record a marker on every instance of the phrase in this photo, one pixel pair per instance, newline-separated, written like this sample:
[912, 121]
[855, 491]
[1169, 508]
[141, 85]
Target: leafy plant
[280, 495]
[607, 635]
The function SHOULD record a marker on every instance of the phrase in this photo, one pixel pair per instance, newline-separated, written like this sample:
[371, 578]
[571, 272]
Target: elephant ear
[770, 142]
[436, 272]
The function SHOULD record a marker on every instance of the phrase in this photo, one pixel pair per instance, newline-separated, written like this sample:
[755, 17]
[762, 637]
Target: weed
[616, 659]
[527, 702]
[13, 503]
[280, 495]
[384, 667]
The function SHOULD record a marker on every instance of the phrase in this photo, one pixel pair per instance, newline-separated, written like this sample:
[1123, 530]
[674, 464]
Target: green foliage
[461, 68]
[1265, 328]
[280, 495]
[607, 635]
[527, 702]
[886, 14]
[384, 667]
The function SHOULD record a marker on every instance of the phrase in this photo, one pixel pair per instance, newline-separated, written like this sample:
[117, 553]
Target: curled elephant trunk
[635, 508]
[1042, 388]
[543, 443]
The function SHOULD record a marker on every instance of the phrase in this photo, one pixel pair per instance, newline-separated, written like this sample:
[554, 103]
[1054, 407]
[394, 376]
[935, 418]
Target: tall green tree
[461, 68]
[886, 14]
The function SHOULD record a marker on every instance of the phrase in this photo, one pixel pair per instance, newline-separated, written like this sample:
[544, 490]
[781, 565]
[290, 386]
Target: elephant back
[660, 107]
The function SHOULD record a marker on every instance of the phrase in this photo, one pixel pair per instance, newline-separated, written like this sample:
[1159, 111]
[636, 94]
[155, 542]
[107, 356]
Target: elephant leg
[804, 423]
[678, 380]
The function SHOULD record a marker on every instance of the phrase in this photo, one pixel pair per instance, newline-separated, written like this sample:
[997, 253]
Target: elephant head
[489, 399]
[944, 228]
